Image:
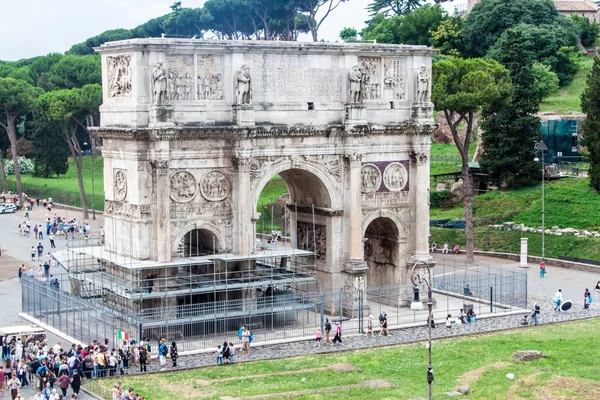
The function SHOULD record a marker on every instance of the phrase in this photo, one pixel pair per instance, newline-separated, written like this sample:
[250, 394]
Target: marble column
[419, 199]
[243, 210]
[161, 241]
[355, 267]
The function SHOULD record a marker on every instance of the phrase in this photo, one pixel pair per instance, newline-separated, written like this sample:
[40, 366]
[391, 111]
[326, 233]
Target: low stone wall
[577, 266]
[72, 208]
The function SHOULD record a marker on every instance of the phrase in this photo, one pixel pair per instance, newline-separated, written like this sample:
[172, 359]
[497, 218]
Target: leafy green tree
[460, 89]
[588, 30]
[553, 45]
[448, 38]
[393, 7]
[590, 105]
[17, 98]
[545, 82]
[71, 109]
[490, 18]
[349, 34]
[317, 11]
[49, 151]
[414, 28]
[511, 128]
[87, 47]
[40, 68]
[76, 71]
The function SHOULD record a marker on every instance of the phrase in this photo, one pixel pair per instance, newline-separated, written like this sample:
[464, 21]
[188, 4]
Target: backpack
[41, 371]
[328, 326]
[381, 317]
[143, 356]
[227, 352]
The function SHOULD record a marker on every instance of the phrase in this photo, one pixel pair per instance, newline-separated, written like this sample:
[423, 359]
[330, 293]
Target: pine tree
[590, 104]
[512, 128]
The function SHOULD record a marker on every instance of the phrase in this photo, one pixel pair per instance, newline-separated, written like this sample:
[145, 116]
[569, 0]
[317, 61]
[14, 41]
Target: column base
[161, 115]
[355, 114]
[243, 115]
[422, 111]
[355, 283]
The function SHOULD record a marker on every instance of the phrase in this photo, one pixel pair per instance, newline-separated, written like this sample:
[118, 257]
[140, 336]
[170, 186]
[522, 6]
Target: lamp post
[540, 147]
[418, 279]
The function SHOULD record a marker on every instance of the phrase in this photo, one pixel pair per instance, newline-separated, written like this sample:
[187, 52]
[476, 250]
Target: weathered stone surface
[453, 394]
[528, 355]
[463, 389]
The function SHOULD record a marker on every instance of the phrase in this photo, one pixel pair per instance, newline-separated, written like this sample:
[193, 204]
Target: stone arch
[381, 248]
[205, 229]
[318, 184]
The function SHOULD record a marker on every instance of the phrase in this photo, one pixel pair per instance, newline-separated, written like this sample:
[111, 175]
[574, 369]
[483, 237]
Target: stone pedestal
[355, 282]
[421, 111]
[161, 116]
[355, 114]
[243, 115]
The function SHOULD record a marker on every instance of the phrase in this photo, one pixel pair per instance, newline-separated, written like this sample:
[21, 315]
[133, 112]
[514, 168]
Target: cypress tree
[590, 104]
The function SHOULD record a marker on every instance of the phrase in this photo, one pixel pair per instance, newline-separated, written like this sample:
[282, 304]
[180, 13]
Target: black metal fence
[277, 316]
[69, 198]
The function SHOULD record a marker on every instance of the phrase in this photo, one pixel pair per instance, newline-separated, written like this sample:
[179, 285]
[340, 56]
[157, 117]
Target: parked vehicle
[6, 208]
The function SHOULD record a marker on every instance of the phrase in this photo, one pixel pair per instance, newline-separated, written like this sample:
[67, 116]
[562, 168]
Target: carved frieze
[370, 68]
[210, 78]
[119, 76]
[370, 178]
[183, 186]
[126, 210]
[312, 238]
[241, 163]
[180, 84]
[384, 199]
[120, 184]
[188, 210]
[394, 78]
[332, 164]
[214, 186]
[395, 177]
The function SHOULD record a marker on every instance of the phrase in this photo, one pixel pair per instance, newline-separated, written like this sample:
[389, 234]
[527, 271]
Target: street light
[417, 279]
[540, 147]
[93, 207]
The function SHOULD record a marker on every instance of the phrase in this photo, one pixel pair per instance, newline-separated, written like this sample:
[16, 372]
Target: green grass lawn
[481, 362]
[567, 99]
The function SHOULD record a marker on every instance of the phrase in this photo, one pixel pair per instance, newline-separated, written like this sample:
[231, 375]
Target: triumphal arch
[193, 130]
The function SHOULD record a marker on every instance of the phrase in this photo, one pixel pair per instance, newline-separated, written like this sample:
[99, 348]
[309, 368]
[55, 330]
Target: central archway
[381, 251]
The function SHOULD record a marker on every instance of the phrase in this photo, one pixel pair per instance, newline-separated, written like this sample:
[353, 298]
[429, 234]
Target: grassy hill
[567, 99]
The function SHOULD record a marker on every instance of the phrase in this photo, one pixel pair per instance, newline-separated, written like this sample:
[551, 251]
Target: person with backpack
[327, 330]
[226, 352]
[143, 358]
[246, 340]
[163, 351]
[88, 366]
[338, 333]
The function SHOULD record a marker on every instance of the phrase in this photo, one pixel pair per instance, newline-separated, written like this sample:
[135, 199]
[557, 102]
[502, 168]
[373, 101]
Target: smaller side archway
[197, 240]
[381, 251]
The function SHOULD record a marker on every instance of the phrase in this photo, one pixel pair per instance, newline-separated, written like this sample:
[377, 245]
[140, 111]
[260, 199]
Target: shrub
[439, 198]
[25, 166]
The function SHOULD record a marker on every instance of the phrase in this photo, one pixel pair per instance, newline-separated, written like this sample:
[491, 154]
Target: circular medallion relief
[214, 186]
[395, 177]
[183, 187]
[370, 178]
[120, 185]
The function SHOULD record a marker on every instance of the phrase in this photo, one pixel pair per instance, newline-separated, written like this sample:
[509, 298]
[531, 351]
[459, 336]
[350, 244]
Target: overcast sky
[36, 27]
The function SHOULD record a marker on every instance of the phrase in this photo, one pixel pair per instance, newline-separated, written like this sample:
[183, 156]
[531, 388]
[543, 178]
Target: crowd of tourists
[56, 371]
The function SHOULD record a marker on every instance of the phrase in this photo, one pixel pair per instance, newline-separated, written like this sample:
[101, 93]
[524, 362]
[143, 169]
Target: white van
[27, 333]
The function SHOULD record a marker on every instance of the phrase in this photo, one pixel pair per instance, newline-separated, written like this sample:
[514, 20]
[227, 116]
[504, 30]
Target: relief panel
[180, 82]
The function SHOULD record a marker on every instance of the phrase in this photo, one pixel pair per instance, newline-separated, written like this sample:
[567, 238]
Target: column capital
[241, 163]
[354, 159]
[418, 157]
[161, 167]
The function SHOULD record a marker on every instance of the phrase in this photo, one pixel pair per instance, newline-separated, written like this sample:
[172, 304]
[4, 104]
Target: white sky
[36, 27]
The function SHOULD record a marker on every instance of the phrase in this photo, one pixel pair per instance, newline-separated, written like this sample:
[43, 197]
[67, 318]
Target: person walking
[536, 313]
[542, 270]
[587, 299]
[51, 237]
[370, 325]
[33, 253]
[558, 300]
[327, 330]
[338, 334]
[174, 354]
[318, 337]
[163, 350]
[13, 385]
[246, 341]
[449, 323]
[76, 382]
[63, 382]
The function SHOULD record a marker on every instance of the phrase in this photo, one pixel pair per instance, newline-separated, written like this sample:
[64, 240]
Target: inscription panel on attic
[290, 76]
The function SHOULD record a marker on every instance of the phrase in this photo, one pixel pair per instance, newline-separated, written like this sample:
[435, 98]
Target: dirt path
[344, 367]
[470, 377]
[373, 384]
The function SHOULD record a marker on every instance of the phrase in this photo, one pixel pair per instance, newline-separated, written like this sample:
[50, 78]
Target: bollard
[523, 261]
